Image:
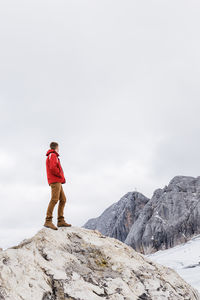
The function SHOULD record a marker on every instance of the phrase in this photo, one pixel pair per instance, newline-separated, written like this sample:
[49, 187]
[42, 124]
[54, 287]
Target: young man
[55, 178]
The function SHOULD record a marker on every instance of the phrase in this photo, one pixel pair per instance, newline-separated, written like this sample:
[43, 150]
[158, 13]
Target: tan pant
[57, 194]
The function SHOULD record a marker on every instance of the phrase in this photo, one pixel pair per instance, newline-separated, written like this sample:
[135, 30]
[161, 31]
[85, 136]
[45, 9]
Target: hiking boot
[62, 223]
[49, 224]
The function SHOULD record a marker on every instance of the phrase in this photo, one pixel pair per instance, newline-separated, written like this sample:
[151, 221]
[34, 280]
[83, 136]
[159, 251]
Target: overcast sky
[115, 83]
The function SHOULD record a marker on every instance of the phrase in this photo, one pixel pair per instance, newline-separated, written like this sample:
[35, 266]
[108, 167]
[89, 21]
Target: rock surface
[117, 220]
[169, 218]
[81, 264]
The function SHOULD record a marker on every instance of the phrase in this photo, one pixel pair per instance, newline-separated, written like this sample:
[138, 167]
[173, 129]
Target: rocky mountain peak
[169, 218]
[118, 218]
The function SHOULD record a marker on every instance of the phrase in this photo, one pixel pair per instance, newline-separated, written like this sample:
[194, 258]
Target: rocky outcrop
[117, 220]
[80, 264]
[169, 218]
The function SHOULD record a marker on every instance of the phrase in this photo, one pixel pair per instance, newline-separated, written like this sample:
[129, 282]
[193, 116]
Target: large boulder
[81, 264]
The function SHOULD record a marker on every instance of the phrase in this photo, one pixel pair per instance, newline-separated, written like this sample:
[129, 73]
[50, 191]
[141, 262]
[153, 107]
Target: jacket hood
[52, 151]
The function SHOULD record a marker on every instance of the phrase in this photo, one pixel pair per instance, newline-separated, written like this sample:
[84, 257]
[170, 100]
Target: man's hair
[53, 145]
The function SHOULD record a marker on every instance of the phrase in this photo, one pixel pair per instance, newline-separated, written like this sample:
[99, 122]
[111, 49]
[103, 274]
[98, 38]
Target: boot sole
[51, 227]
[64, 225]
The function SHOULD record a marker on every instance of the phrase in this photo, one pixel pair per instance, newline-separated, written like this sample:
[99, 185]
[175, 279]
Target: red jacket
[53, 167]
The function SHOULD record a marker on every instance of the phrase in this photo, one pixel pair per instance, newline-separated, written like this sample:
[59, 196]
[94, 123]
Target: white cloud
[116, 83]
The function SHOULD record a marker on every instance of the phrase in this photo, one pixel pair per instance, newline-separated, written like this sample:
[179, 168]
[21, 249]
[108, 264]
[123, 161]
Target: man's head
[54, 146]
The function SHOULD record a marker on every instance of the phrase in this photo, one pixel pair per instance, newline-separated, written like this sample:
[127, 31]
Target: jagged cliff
[117, 220]
[81, 264]
[170, 217]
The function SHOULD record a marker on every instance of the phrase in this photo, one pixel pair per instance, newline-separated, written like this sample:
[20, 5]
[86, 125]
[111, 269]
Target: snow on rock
[184, 259]
[82, 264]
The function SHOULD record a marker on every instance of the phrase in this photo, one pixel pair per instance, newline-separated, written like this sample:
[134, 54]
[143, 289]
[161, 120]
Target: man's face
[57, 149]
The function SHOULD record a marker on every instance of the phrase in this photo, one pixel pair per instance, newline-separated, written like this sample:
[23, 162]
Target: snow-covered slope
[82, 264]
[184, 259]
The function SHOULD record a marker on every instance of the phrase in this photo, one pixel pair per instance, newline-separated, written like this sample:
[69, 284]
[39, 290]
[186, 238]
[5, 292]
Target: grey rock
[81, 264]
[117, 220]
[170, 218]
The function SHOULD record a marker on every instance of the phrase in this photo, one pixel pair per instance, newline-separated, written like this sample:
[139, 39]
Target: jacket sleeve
[53, 165]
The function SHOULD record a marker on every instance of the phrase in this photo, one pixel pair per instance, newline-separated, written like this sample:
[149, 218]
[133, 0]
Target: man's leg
[55, 195]
[61, 206]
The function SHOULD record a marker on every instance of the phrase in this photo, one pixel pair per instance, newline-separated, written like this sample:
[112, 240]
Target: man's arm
[53, 165]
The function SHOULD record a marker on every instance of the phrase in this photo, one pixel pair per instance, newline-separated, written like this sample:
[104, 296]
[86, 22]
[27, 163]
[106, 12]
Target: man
[55, 178]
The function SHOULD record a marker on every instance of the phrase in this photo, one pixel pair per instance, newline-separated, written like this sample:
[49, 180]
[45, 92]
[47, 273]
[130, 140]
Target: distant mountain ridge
[117, 220]
[169, 218]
